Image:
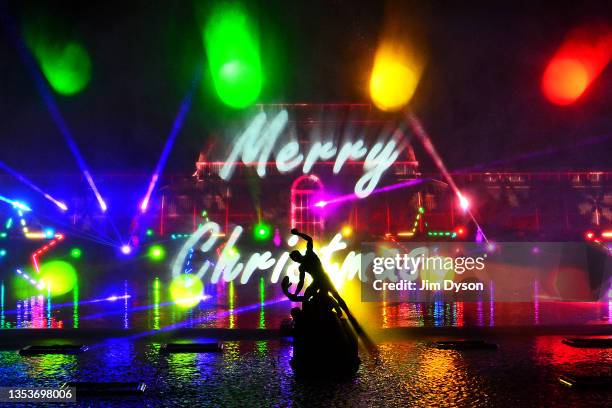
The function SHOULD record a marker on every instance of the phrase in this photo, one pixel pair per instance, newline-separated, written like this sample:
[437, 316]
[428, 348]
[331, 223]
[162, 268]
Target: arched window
[304, 191]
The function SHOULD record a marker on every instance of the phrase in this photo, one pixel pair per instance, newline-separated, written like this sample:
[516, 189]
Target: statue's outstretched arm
[306, 237]
[285, 284]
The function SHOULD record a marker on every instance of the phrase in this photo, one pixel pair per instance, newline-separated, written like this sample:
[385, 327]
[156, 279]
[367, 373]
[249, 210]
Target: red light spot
[564, 81]
[577, 63]
[589, 235]
[460, 231]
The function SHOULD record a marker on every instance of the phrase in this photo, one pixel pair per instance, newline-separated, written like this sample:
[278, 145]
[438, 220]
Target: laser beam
[49, 100]
[33, 186]
[421, 134]
[176, 128]
[350, 197]
[16, 204]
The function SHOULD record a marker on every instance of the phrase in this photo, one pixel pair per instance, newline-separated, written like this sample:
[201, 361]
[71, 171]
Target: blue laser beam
[49, 100]
[30, 184]
[16, 204]
[175, 130]
[203, 319]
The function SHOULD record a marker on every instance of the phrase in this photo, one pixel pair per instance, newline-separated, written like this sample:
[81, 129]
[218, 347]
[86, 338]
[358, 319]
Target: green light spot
[157, 252]
[76, 253]
[232, 47]
[421, 210]
[262, 231]
[60, 276]
[186, 290]
[66, 67]
[149, 232]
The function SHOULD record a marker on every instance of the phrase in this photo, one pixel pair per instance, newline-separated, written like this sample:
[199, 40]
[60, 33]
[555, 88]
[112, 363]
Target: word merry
[256, 144]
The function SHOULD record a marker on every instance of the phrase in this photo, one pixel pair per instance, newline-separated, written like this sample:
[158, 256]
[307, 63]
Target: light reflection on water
[522, 372]
[147, 306]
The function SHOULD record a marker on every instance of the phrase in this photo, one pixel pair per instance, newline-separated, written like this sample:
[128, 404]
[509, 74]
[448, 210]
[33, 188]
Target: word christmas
[229, 266]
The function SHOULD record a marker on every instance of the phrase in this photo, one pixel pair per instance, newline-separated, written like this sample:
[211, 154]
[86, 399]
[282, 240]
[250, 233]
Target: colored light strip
[43, 249]
[38, 283]
[451, 234]
[35, 235]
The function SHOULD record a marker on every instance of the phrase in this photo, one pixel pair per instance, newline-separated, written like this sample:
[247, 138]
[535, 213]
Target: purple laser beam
[350, 197]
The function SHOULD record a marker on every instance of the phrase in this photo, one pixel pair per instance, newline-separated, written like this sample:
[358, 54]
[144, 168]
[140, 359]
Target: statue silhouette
[321, 283]
[322, 338]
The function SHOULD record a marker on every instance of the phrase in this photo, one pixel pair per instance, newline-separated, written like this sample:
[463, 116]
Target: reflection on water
[230, 304]
[522, 372]
[52, 366]
[156, 297]
[262, 303]
[147, 305]
[126, 317]
[75, 306]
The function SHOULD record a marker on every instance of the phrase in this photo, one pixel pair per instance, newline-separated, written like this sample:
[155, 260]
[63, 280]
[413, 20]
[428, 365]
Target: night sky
[479, 96]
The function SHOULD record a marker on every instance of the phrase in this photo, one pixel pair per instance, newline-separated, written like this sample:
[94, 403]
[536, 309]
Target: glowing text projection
[261, 138]
[229, 265]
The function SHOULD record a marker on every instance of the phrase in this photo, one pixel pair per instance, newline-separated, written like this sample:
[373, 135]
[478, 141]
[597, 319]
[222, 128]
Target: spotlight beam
[175, 130]
[29, 183]
[421, 134]
[49, 100]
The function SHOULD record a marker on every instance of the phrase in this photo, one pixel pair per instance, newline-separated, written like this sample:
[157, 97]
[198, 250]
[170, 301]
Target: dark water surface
[522, 372]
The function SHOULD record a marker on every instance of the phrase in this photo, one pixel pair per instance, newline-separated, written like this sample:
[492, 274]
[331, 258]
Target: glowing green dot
[149, 232]
[262, 231]
[157, 252]
[76, 253]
